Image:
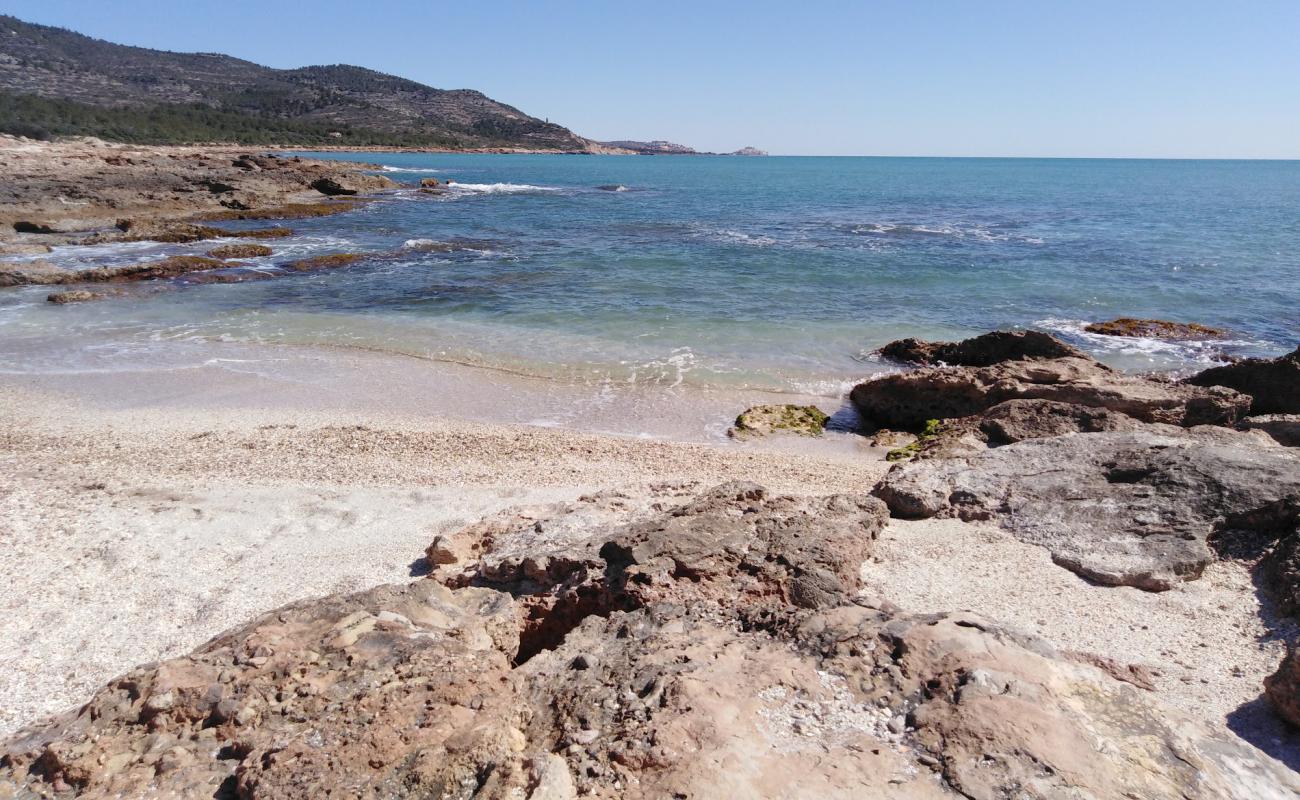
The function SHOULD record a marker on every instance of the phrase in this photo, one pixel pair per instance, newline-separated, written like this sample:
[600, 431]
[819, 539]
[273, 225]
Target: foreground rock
[1135, 508]
[980, 351]
[909, 399]
[769, 419]
[1154, 329]
[690, 665]
[1273, 383]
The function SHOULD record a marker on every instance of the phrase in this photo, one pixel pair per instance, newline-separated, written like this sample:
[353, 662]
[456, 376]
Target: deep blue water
[765, 272]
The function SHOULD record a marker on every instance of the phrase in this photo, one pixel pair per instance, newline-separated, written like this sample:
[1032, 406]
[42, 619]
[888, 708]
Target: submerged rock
[330, 261]
[1154, 329]
[908, 399]
[1274, 384]
[717, 649]
[981, 351]
[1133, 508]
[239, 251]
[769, 419]
[76, 296]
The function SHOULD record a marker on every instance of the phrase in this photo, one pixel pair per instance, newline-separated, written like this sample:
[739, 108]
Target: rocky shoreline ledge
[722, 642]
[89, 191]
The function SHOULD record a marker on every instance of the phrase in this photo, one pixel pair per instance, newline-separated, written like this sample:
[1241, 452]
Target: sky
[1140, 78]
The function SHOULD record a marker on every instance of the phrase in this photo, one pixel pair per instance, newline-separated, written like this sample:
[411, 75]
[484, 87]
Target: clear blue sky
[904, 77]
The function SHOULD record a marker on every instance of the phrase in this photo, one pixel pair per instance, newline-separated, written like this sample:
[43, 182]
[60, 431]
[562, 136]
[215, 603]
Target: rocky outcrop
[909, 399]
[227, 251]
[39, 272]
[351, 183]
[769, 419]
[1134, 508]
[84, 187]
[1284, 428]
[1154, 329]
[692, 664]
[981, 351]
[328, 261]
[1282, 688]
[1018, 420]
[1274, 384]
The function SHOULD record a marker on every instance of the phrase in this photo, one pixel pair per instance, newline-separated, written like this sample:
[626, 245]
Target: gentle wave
[1198, 352]
[905, 230]
[422, 170]
[500, 188]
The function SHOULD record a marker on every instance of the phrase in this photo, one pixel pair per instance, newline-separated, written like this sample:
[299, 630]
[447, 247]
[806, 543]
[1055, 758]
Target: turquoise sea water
[777, 273]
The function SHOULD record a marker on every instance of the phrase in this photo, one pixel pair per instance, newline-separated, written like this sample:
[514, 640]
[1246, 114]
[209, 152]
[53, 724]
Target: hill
[56, 81]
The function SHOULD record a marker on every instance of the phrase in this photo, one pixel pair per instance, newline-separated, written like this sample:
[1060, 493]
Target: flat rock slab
[1134, 508]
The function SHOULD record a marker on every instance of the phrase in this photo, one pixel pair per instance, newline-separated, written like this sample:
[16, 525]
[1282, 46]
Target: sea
[774, 274]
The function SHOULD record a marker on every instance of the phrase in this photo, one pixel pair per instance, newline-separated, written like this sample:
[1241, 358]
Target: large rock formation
[1130, 507]
[909, 399]
[980, 351]
[715, 649]
[1273, 383]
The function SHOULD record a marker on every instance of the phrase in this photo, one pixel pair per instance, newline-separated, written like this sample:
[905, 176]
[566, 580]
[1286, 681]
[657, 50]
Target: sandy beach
[135, 535]
[136, 532]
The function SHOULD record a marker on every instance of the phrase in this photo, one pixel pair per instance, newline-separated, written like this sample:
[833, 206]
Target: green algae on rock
[784, 418]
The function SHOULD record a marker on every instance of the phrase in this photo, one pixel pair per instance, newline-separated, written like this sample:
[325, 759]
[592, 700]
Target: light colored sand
[131, 536]
[134, 534]
[1205, 639]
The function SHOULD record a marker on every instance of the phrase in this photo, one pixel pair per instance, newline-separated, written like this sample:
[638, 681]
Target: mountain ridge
[60, 82]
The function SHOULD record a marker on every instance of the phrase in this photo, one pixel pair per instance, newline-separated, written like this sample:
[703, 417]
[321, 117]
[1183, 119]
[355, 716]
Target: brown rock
[1017, 420]
[909, 399]
[38, 272]
[1282, 688]
[1273, 384]
[1154, 329]
[1284, 428]
[240, 251]
[331, 261]
[430, 183]
[981, 351]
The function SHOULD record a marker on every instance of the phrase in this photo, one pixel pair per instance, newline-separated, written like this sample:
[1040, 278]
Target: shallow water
[779, 274]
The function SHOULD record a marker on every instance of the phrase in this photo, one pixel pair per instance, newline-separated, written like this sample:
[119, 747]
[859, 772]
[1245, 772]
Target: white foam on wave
[975, 232]
[422, 170]
[731, 236]
[1193, 352]
[670, 371]
[500, 188]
